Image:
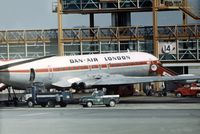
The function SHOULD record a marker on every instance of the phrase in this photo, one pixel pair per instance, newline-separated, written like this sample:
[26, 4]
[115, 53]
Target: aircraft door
[50, 72]
[32, 75]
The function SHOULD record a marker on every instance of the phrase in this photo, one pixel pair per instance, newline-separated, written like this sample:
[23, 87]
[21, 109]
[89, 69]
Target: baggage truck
[37, 95]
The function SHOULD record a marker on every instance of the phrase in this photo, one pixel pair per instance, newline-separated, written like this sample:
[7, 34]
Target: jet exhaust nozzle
[79, 86]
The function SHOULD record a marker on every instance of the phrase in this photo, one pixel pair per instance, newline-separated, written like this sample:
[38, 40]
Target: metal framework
[116, 6]
[35, 43]
[108, 6]
[100, 34]
[131, 33]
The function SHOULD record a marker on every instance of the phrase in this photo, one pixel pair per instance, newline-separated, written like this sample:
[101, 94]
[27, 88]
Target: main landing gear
[12, 98]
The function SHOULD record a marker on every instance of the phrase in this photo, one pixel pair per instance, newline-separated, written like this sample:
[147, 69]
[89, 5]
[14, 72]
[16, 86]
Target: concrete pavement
[124, 118]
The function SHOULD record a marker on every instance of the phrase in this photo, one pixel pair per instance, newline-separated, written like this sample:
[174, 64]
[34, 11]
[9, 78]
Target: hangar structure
[176, 46]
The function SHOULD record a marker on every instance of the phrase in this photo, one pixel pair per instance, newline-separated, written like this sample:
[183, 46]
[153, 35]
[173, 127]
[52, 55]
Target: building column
[60, 32]
[155, 29]
[121, 19]
[91, 20]
[184, 15]
[91, 24]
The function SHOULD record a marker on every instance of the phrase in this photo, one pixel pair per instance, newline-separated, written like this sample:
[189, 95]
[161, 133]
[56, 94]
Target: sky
[37, 14]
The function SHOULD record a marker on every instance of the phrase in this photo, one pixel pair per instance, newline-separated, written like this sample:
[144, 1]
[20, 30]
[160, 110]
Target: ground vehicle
[188, 90]
[98, 98]
[50, 99]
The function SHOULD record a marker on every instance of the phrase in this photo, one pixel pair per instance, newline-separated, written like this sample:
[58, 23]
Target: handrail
[100, 34]
[189, 12]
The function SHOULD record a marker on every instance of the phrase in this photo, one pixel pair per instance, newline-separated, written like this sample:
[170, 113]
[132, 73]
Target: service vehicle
[98, 98]
[188, 90]
[36, 95]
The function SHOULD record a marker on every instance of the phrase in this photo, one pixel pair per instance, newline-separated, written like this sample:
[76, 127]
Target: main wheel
[164, 93]
[84, 105]
[178, 95]
[43, 104]
[112, 103]
[51, 103]
[198, 95]
[89, 104]
[63, 104]
[15, 101]
[30, 103]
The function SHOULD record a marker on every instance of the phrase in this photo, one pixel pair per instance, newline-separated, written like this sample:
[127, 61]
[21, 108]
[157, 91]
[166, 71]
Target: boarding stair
[165, 71]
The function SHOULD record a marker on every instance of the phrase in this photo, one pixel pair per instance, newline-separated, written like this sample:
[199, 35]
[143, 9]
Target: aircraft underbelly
[18, 80]
[22, 80]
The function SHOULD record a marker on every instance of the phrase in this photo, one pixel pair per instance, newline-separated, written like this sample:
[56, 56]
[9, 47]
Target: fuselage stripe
[85, 67]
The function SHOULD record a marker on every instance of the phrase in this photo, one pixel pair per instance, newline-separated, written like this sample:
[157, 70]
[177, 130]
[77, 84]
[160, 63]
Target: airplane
[85, 71]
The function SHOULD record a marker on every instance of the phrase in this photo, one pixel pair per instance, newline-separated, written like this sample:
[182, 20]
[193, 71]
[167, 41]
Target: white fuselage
[53, 69]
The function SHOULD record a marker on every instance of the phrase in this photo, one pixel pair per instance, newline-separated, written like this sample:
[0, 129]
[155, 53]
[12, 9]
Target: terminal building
[177, 46]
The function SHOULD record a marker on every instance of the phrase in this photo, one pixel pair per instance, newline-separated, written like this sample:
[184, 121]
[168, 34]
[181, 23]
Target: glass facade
[35, 50]
[182, 50]
[16, 51]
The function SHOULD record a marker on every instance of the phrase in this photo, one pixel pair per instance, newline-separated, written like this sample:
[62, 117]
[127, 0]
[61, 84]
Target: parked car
[98, 98]
[188, 90]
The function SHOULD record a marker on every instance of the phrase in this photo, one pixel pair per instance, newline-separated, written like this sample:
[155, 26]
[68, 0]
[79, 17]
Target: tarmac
[122, 119]
[135, 114]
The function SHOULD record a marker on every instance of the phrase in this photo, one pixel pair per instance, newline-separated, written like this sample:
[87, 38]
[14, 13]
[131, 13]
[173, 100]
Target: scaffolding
[109, 6]
[100, 34]
[36, 43]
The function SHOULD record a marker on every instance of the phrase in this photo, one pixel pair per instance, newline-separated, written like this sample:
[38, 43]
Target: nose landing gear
[12, 98]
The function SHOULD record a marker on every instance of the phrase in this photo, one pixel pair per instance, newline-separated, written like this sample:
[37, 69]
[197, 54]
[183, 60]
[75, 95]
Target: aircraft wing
[5, 66]
[109, 80]
[123, 80]
[68, 81]
[62, 83]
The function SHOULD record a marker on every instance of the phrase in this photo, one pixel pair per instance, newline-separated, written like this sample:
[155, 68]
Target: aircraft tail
[1, 62]
[23, 61]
